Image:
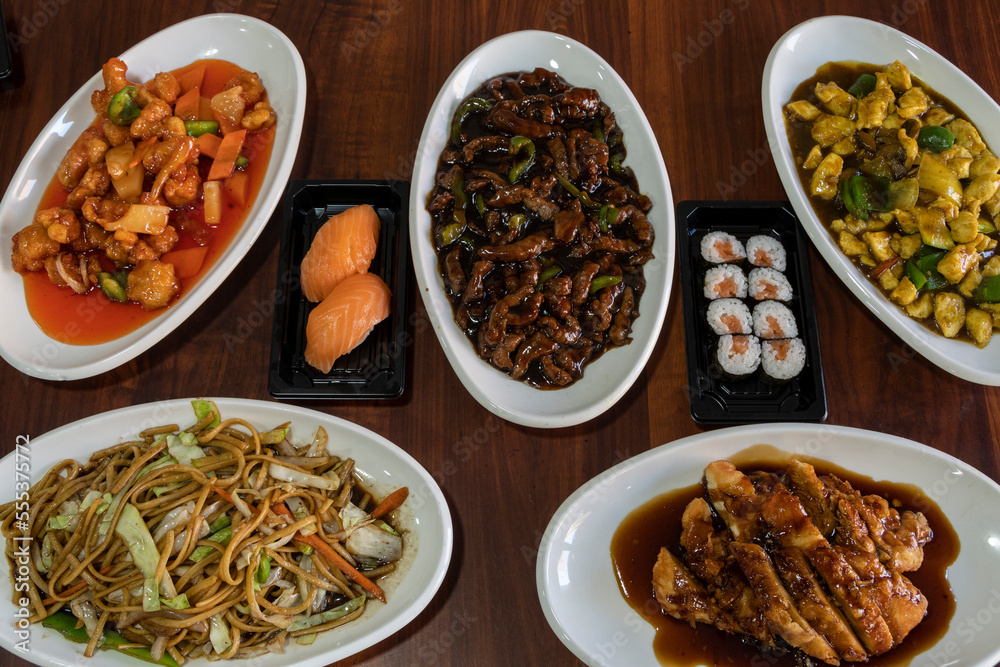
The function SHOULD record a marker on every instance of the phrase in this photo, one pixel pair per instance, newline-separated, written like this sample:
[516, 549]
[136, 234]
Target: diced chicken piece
[959, 160]
[814, 158]
[991, 267]
[852, 245]
[964, 228]
[828, 130]
[957, 262]
[889, 280]
[922, 308]
[837, 100]
[905, 293]
[969, 283]
[683, 597]
[979, 324]
[153, 284]
[986, 164]
[982, 188]
[779, 609]
[802, 110]
[967, 135]
[879, 244]
[949, 313]
[874, 107]
[937, 116]
[899, 76]
[909, 144]
[892, 122]
[844, 147]
[827, 176]
[912, 103]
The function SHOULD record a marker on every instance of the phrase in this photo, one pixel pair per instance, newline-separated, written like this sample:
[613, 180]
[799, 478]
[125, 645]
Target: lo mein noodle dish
[214, 541]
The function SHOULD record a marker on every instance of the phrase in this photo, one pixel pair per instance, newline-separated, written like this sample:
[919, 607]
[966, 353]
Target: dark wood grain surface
[373, 70]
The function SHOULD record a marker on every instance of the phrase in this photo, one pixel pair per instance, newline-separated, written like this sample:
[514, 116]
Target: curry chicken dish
[795, 559]
[160, 161]
[540, 229]
[907, 188]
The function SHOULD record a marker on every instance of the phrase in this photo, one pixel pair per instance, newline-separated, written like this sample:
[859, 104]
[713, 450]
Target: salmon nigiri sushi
[343, 246]
[345, 318]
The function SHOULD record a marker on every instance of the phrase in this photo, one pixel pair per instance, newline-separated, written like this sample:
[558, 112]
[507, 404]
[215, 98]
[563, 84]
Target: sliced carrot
[884, 266]
[72, 590]
[391, 502]
[225, 495]
[187, 262]
[237, 188]
[208, 144]
[225, 157]
[205, 109]
[317, 543]
[142, 150]
[188, 105]
[191, 79]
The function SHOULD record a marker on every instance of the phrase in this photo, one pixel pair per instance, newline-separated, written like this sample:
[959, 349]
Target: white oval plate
[795, 58]
[383, 466]
[608, 378]
[248, 42]
[576, 581]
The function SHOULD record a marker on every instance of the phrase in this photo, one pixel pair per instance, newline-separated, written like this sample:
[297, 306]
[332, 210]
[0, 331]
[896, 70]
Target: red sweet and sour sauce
[91, 318]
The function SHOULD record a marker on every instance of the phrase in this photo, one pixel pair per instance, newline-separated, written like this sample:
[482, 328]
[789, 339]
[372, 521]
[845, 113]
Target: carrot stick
[229, 498]
[208, 144]
[142, 150]
[192, 78]
[188, 105]
[72, 590]
[226, 156]
[335, 559]
[391, 502]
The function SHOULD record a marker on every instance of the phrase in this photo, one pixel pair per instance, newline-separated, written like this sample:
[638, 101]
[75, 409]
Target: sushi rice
[729, 316]
[738, 356]
[766, 251]
[725, 281]
[784, 359]
[721, 247]
[772, 319]
[765, 283]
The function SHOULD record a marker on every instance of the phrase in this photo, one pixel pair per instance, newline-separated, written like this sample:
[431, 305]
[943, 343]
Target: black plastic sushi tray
[715, 397]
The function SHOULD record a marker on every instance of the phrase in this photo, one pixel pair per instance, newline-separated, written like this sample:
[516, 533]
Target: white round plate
[382, 465]
[248, 42]
[607, 379]
[576, 581]
[795, 58]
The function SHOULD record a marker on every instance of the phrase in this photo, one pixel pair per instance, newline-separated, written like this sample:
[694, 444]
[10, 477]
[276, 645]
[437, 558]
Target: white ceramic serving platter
[577, 585]
[795, 58]
[424, 519]
[608, 378]
[248, 42]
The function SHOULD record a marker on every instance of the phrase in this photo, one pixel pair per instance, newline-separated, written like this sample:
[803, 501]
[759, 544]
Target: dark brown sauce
[657, 523]
[844, 74]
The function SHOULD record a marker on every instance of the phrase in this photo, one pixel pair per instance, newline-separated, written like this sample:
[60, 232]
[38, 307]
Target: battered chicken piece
[31, 247]
[153, 284]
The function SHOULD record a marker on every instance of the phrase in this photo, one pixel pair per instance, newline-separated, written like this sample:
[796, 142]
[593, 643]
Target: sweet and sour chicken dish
[908, 188]
[540, 229]
[160, 161]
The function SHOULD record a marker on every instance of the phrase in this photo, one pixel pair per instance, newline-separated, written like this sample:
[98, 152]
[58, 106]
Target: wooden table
[373, 69]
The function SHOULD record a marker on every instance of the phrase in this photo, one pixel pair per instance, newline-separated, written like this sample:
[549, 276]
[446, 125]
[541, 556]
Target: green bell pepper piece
[935, 138]
[468, 107]
[123, 109]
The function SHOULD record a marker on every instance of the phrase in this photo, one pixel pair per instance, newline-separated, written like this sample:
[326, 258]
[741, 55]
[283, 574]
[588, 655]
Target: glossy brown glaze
[373, 72]
[657, 523]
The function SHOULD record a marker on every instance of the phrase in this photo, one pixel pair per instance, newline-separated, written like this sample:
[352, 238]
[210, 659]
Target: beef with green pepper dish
[540, 230]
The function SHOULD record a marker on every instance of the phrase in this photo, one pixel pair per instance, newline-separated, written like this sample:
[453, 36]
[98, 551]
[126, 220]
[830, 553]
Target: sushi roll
[721, 247]
[784, 359]
[767, 283]
[725, 282]
[766, 251]
[772, 319]
[738, 356]
[729, 316]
